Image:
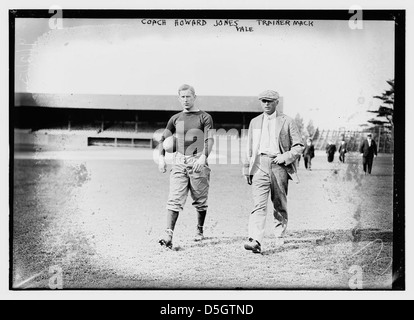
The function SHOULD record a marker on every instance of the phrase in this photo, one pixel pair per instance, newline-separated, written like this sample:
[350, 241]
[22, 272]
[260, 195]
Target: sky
[325, 71]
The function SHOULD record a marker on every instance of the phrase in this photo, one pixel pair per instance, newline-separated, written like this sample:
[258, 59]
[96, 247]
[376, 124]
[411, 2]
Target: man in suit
[274, 144]
[369, 150]
[330, 151]
[308, 154]
[342, 151]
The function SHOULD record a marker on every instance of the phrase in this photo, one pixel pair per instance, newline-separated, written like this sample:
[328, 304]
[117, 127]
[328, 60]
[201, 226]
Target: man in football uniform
[192, 131]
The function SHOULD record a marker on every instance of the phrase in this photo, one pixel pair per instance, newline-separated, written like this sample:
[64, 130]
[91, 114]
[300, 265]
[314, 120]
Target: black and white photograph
[207, 149]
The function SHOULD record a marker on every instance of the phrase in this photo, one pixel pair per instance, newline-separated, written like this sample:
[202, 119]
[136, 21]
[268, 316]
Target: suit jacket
[368, 151]
[309, 151]
[343, 148]
[290, 144]
[331, 149]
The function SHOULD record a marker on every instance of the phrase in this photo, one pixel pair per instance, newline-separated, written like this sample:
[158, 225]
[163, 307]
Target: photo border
[398, 16]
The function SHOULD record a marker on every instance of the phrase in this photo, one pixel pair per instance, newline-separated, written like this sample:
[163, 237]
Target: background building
[118, 120]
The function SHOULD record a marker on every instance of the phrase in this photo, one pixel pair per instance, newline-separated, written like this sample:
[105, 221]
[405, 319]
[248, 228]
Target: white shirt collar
[272, 116]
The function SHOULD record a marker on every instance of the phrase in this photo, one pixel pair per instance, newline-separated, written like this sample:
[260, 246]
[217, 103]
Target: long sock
[172, 217]
[201, 218]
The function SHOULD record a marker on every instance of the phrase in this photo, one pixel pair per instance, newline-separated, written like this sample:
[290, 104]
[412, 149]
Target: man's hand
[249, 180]
[200, 164]
[162, 165]
[279, 159]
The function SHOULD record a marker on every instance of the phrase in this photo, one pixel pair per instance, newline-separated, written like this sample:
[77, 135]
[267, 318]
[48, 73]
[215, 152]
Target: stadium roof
[135, 102]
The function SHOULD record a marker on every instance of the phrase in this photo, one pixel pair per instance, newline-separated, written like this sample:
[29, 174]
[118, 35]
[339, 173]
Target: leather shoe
[199, 236]
[253, 245]
[166, 240]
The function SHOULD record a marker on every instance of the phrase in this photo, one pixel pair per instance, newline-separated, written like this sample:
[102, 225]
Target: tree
[386, 111]
[310, 128]
[316, 134]
[384, 122]
[299, 123]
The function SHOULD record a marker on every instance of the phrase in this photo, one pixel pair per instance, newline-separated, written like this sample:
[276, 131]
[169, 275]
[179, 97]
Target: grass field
[98, 221]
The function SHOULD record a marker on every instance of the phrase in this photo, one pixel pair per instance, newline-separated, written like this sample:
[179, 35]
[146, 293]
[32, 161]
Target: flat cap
[269, 95]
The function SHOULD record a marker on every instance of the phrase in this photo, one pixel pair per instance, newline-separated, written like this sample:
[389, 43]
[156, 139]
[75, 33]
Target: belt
[179, 154]
[268, 155]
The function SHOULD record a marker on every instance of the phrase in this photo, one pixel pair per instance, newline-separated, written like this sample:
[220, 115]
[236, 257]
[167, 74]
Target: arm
[208, 144]
[249, 151]
[248, 155]
[208, 136]
[290, 156]
[169, 130]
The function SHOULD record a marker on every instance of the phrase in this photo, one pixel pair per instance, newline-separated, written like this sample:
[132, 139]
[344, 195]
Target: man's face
[187, 99]
[269, 106]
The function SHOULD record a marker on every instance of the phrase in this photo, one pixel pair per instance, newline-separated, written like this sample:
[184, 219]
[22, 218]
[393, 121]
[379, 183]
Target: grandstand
[131, 120]
[120, 120]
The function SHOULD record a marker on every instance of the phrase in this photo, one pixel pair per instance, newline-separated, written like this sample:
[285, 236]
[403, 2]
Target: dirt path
[98, 221]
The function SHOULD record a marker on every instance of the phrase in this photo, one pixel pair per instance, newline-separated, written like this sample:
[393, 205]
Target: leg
[370, 161]
[166, 241]
[257, 220]
[176, 201]
[306, 159]
[279, 190]
[172, 217]
[310, 162]
[364, 164]
[179, 187]
[201, 217]
[199, 187]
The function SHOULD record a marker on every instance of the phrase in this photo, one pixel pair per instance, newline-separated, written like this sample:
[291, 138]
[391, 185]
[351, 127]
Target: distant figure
[308, 154]
[342, 150]
[330, 151]
[368, 149]
[300, 156]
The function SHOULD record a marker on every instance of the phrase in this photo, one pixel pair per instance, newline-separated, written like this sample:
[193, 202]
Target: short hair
[186, 87]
